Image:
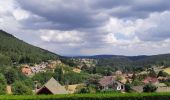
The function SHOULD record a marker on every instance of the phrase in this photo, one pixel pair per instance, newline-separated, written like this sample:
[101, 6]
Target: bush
[2, 84]
[84, 90]
[109, 91]
[149, 88]
[10, 76]
[167, 83]
[128, 87]
[18, 88]
[136, 82]
[162, 74]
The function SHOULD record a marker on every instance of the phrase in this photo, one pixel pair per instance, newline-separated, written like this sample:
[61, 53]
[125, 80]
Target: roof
[150, 80]
[108, 80]
[105, 81]
[138, 88]
[54, 87]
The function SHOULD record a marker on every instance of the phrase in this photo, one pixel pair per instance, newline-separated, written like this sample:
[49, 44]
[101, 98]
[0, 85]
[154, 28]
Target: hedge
[111, 96]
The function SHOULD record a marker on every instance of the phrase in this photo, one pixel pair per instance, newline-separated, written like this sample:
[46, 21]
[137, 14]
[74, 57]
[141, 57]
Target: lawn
[167, 70]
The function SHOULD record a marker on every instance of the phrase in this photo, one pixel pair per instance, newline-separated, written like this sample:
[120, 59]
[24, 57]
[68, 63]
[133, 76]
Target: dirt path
[8, 89]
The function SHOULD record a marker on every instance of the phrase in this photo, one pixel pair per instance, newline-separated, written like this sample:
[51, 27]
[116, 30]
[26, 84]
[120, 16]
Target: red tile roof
[150, 80]
[107, 80]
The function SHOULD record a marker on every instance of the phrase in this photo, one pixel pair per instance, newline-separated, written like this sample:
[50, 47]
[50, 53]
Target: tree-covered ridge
[13, 50]
[163, 59]
[127, 63]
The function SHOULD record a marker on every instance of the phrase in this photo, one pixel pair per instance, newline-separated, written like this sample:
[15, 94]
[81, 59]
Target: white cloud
[70, 37]
[6, 6]
[20, 14]
[114, 34]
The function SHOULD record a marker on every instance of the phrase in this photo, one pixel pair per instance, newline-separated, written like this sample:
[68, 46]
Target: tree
[162, 74]
[136, 82]
[42, 77]
[2, 79]
[2, 84]
[133, 76]
[10, 76]
[94, 70]
[84, 90]
[19, 88]
[59, 74]
[128, 87]
[152, 73]
[108, 72]
[118, 78]
[149, 88]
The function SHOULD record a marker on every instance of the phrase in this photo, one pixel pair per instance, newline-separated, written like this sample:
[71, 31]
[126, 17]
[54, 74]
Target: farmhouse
[109, 82]
[52, 87]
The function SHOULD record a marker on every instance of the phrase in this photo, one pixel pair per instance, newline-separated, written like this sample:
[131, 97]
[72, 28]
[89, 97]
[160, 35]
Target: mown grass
[108, 96]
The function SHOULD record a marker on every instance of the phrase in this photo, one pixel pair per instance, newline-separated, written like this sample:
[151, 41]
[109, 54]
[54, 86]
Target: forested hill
[13, 50]
[135, 61]
[129, 62]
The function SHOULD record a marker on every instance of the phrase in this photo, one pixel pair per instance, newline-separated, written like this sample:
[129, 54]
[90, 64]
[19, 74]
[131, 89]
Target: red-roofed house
[152, 80]
[109, 82]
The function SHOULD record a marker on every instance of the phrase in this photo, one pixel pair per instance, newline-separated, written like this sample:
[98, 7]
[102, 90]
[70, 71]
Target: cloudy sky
[90, 27]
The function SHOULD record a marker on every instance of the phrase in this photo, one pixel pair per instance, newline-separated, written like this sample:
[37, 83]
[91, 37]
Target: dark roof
[54, 87]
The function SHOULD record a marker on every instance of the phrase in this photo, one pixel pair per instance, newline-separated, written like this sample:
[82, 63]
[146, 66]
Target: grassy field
[108, 96]
[167, 70]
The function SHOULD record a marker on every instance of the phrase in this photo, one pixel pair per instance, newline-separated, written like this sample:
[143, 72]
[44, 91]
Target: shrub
[84, 90]
[18, 88]
[128, 87]
[149, 88]
[2, 84]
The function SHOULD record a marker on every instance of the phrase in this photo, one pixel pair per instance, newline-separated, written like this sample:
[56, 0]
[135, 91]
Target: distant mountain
[111, 56]
[129, 62]
[93, 57]
[13, 50]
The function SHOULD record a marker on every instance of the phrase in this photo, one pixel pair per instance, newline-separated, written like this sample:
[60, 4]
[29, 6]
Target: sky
[90, 27]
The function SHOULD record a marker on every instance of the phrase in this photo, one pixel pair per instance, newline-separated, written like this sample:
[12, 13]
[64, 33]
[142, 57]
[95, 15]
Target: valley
[30, 67]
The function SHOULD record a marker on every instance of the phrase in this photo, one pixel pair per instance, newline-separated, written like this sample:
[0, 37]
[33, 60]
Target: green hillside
[131, 62]
[13, 50]
[128, 63]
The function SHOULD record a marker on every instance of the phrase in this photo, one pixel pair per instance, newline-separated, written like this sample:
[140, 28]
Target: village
[156, 77]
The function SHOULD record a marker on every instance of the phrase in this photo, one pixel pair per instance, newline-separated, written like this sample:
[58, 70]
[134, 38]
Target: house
[52, 87]
[109, 82]
[52, 64]
[39, 68]
[163, 79]
[152, 80]
[26, 70]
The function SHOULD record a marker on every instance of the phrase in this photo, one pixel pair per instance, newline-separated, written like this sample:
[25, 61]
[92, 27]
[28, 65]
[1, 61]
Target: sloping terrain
[13, 50]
